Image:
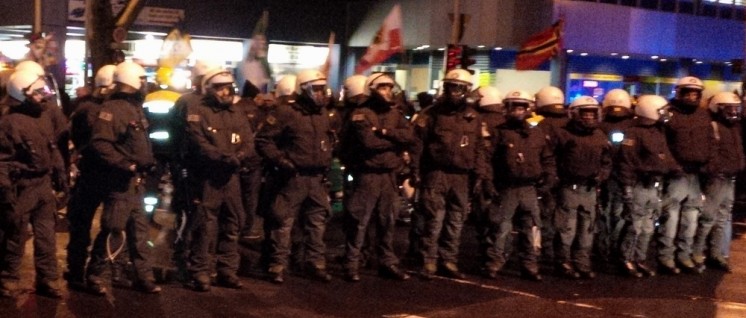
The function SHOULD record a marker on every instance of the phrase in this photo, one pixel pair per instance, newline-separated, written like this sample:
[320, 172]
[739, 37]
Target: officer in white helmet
[550, 104]
[450, 150]
[726, 109]
[297, 141]
[617, 117]
[30, 162]
[583, 164]
[120, 140]
[690, 137]
[220, 140]
[490, 101]
[86, 198]
[185, 190]
[644, 162]
[526, 162]
[373, 139]
[354, 87]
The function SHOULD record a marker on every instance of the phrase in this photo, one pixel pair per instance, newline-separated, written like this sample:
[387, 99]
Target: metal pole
[456, 22]
[37, 17]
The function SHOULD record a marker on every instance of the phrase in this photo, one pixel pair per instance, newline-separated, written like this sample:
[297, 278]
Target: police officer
[221, 138]
[29, 149]
[617, 117]
[187, 192]
[450, 149]
[491, 108]
[297, 142]
[375, 134]
[644, 162]
[550, 104]
[720, 186]
[120, 143]
[682, 201]
[583, 163]
[87, 194]
[521, 160]
[252, 170]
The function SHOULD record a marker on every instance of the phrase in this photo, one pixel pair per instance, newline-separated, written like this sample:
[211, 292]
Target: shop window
[686, 7]
[630, 3]
[708, 10]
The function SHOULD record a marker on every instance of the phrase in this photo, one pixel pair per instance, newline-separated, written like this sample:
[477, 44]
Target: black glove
[627, 195]
[414, 179]
[489, 191]
[231, 161]
[286, 166]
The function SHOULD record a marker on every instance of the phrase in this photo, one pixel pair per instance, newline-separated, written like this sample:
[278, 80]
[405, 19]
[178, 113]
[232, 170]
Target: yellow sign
[597, 77]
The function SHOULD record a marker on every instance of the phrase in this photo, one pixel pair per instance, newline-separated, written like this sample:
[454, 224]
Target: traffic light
[453, 56]
[466, 58]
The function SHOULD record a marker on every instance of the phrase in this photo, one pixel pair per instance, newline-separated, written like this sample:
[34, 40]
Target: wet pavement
[712, 294]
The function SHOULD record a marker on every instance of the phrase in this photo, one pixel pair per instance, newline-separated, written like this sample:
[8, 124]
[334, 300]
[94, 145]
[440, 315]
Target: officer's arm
[268, 136]
[7, 155]
[606, 162]
[367, 132]
[421, 132]
[107, 131]
[629, 159]
[197, 134]
[482, 166]
[548, 163]
[402, 133]
[247, 139]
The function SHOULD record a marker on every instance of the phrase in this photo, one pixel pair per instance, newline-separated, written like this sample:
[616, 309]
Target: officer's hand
[380, 132]
[627, 195]
[414, 179]
[285, 165]
[232, 161]
[489, 191]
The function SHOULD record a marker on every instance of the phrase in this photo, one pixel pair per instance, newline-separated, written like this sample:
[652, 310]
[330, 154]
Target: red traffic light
[453, 57]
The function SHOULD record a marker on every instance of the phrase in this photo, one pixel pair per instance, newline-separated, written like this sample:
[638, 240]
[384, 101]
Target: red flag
[328, 63]
[540, 47]
[387, 42]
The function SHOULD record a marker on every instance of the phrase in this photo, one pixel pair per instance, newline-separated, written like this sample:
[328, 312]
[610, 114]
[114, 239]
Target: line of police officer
[471, 151]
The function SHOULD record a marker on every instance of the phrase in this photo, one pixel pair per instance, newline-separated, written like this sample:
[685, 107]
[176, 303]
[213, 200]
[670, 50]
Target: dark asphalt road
[712, 294]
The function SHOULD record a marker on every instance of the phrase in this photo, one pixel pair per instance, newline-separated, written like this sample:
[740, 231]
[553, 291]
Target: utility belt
[310, 172]
[651, 181]
[33, 174]
[373, 170]
[453, 170]
[588, 185]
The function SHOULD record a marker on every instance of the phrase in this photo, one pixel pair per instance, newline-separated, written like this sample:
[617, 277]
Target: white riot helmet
[515, 99]
[312, 84]
[585, 105]
[286, 85]
[105, 76]
[355, 86]
[687, 85]
[30, 66]
[23, 84]
[456, 84]
[220, 84]
[550, 100]
[617, 103]
[489, 96]
[726, 104]
[652, 107]
[130, 73]
[374, 80]
[202, 66]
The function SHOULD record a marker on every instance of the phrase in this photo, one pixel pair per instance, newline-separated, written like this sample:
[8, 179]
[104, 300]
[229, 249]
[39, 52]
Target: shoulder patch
[358, 117]
[628, 142]
[107, 116]
[193, 118]
[271, 120]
